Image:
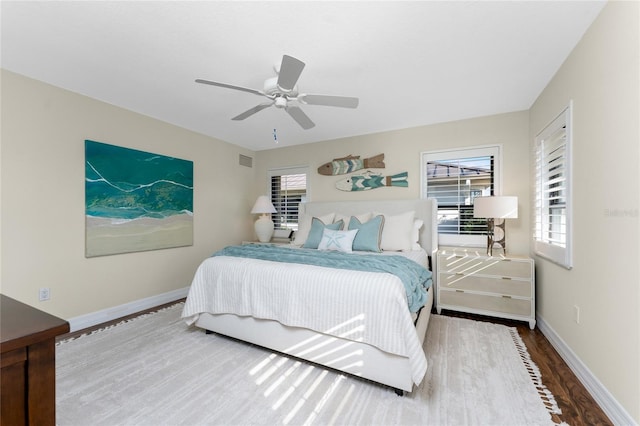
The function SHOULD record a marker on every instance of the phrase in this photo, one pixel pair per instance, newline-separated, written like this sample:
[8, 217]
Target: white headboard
[426, 209]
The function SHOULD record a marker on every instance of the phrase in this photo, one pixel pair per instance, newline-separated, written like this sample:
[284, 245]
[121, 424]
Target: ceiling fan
[282, 92]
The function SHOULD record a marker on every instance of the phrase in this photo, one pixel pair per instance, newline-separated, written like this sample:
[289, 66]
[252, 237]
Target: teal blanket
[416, 278]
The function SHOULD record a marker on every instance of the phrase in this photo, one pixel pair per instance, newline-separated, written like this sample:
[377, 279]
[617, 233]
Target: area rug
[155, 370]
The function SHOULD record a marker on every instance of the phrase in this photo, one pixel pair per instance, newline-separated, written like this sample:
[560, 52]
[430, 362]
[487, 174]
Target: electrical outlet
[44, 294]
[576, 310]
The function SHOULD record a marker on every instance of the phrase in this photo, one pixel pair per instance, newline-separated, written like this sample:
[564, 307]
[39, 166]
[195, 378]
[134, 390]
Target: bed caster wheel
[399, 392]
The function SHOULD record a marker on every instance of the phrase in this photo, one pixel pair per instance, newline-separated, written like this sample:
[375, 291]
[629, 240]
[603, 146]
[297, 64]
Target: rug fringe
[547, 397]
[99, 330]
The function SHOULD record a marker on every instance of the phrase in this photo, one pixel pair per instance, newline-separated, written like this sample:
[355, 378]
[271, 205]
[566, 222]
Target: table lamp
[492, 208]
[264, 224]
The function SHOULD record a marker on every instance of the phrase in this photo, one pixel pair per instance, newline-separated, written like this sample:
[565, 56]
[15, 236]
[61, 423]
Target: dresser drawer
[499, 285]
[486, 266]
[482, 302]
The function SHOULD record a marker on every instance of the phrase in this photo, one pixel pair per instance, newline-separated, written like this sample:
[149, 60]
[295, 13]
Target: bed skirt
[355, 358]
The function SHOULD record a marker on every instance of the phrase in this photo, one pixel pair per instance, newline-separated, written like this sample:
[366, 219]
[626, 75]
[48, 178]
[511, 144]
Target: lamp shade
[263, 205]
[503, 207]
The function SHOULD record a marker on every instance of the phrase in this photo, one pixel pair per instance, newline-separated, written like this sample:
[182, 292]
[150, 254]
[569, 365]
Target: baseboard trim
[89, 320]
[611, 407]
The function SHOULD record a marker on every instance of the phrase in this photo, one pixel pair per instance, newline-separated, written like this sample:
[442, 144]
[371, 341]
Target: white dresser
[499, 286]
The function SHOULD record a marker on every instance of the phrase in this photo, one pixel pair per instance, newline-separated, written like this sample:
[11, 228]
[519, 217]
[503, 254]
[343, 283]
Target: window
[552, 180]
[288, 189]
[455, 178]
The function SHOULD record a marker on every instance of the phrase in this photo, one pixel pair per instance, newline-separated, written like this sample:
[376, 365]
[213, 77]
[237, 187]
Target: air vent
[246, 161]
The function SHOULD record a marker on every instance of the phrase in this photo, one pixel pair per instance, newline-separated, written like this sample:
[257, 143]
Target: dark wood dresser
[28, 361]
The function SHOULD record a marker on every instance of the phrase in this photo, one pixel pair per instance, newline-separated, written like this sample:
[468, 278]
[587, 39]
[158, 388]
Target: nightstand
[501, 286]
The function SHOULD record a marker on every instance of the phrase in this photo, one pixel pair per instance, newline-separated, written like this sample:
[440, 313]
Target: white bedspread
[368, 307]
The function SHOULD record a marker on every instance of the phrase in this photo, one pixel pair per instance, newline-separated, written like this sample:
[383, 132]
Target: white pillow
[364, 217]
[337, 240]
[397, 233]
[304, 226]
[415, 235]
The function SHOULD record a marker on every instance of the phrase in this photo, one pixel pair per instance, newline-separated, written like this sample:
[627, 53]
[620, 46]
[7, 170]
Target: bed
[366, 328]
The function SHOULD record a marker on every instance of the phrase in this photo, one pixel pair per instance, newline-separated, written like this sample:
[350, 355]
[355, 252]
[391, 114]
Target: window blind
[287, 192]
[455, 177]
[455, 183]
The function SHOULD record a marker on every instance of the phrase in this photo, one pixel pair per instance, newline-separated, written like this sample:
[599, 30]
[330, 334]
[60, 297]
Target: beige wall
[402, 151]
[43, 133]
[42, 198]
[602, 77]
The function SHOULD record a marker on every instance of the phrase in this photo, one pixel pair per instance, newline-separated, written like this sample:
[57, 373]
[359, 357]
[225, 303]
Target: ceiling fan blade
[252, 111]
[301, 118]
[290, 70]
[230, 86]
[327, 100]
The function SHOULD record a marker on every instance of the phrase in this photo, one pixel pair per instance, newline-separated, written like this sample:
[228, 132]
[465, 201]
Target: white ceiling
[410, 63]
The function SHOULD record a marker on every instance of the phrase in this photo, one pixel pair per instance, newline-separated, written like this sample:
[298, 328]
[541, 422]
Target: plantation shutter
[288, 190]
[552, 204]
[551, 223]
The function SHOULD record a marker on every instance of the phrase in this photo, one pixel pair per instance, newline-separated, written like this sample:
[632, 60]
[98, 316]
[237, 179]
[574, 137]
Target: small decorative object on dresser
[500, 286]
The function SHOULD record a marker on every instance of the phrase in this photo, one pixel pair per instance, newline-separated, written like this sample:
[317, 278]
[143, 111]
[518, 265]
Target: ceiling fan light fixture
[281, 102]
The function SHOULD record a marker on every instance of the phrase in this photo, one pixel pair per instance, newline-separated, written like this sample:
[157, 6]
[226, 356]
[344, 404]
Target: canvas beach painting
[136, 200]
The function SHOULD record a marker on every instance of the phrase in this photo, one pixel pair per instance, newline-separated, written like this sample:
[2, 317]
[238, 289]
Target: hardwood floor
[577, 405]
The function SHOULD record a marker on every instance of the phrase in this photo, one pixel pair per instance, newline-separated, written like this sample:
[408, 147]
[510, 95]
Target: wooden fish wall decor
[342, 166]
[369, 180]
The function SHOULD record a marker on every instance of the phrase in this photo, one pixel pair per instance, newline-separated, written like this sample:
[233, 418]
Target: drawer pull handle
[459, 291]
[459, 273]
[506, 278]
[506, 297]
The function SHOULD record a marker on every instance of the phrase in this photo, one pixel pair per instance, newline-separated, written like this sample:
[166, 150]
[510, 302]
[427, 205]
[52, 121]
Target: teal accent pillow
[369, 234]
[316, 231]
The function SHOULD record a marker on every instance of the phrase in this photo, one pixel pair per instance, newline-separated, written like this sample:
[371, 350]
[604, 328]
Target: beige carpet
[154, 370]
